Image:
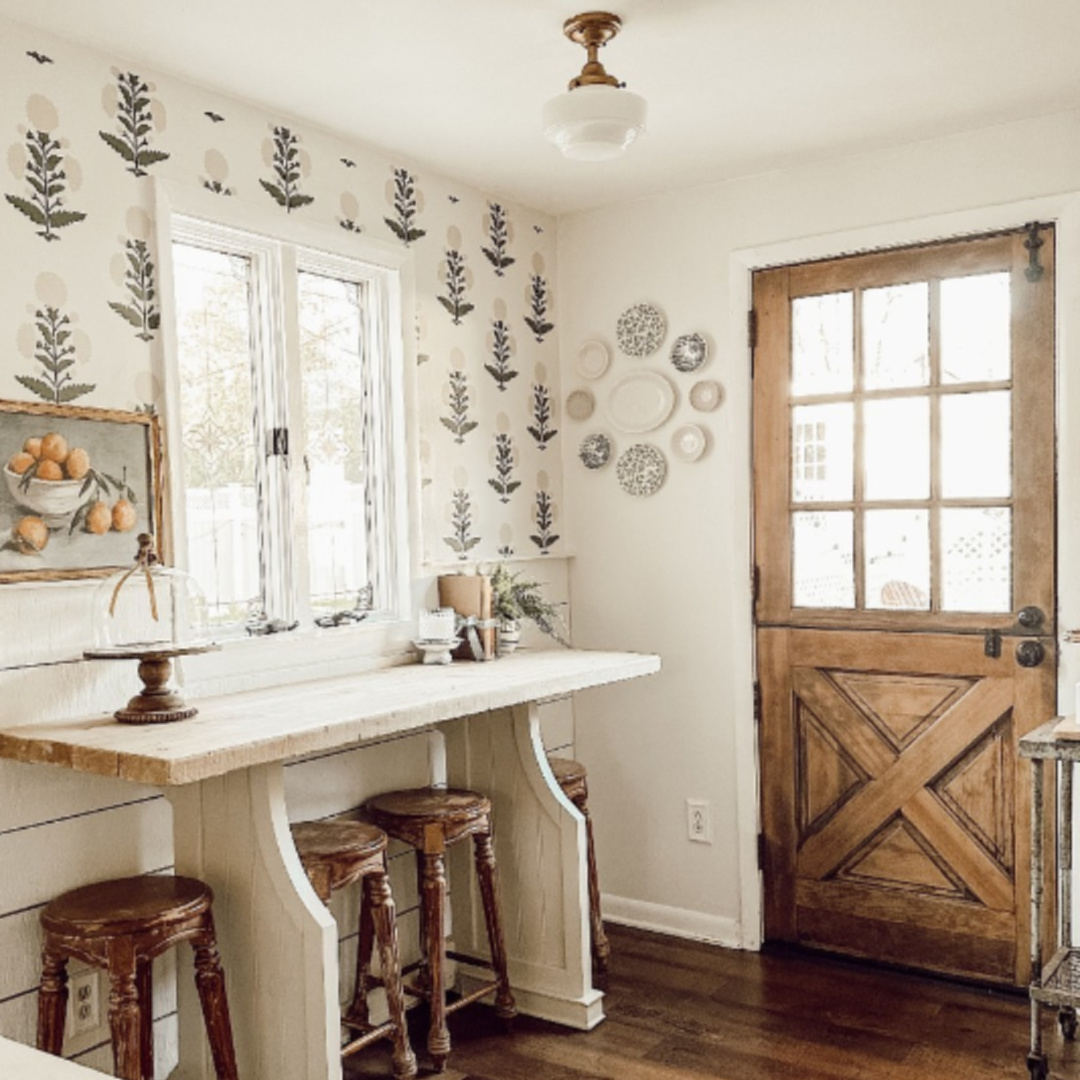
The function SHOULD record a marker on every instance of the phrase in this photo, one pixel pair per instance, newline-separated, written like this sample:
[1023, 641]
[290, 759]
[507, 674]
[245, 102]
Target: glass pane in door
[823, 559]
[896, 336]
[896, 550]
[822, 344]
[975, 338]
[896, 448]
[822, 446]
[976, 559]
[976, 445]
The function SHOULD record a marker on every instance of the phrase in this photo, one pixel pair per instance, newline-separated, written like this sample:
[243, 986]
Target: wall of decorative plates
[623, 407]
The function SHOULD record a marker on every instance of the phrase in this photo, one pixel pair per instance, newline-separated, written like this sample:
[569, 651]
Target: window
[286, 417]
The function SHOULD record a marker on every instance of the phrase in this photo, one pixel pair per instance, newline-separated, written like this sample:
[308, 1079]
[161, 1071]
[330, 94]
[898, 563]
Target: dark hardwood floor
[679, 1010]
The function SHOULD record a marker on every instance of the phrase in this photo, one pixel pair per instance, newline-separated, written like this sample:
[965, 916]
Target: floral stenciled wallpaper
[80, 309]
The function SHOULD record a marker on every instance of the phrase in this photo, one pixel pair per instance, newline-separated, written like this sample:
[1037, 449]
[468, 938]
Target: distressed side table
[1058, 981]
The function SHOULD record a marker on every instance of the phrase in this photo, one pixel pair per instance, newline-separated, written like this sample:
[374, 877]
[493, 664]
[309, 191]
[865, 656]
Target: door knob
[1031, 618]
[1030, 653]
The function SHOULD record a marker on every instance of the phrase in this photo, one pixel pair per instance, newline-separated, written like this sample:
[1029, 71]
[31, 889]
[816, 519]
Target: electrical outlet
[84, 1012]
[699, 821]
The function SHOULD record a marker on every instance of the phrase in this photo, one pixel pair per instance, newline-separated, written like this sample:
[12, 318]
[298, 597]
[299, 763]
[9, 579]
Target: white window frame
[279, 248]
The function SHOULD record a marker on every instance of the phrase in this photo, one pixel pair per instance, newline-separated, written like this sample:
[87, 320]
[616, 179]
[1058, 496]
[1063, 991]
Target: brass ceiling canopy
[593, 30]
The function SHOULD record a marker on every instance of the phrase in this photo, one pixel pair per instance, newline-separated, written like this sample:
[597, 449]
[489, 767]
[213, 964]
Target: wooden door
[904, 550]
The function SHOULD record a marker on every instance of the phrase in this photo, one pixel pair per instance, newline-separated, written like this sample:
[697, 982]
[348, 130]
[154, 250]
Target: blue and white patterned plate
[595, 450]
[689, 352]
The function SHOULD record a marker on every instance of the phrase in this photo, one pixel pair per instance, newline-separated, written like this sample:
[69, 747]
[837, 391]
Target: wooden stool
[121, 926]
[334, 854]
[573, 778]
[430, 820]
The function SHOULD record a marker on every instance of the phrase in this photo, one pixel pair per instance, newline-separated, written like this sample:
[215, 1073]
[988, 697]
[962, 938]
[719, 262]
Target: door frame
[1064, 211]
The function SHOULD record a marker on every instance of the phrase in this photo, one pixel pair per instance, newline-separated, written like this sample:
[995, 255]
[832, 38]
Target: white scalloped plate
[592, 360]
[705, 395]
[640, 401]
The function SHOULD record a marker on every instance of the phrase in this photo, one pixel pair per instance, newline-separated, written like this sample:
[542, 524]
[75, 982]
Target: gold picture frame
[79, 484]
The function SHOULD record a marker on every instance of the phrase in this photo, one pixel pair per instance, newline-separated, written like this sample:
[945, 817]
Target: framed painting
[79, 485]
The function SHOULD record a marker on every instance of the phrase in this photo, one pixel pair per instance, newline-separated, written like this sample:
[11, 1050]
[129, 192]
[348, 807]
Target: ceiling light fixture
[597, 118]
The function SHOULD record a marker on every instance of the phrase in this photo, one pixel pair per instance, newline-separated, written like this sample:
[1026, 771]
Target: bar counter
[223, 773]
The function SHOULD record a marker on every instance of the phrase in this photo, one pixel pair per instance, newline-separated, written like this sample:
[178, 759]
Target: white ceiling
[734, 86]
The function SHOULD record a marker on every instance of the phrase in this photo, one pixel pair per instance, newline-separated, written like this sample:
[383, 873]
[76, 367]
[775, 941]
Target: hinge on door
[751, 329]
[755, 584]
[757, 702]
[992, 644]
[278, 442]
[762, 850]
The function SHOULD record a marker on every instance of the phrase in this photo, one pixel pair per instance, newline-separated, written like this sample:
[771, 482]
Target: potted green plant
[515, 597]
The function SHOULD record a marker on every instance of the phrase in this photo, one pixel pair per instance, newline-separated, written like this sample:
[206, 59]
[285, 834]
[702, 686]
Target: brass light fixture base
[593, 30]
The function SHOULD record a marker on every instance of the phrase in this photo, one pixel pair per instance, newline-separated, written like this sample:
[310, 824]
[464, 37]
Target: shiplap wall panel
[126, 840]
[33, 795]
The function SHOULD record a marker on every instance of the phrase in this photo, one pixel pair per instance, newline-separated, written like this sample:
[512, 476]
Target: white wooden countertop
[236, 731]
[19, 1062]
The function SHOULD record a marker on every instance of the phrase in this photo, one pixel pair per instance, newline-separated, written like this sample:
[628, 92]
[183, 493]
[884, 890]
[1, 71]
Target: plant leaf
[127, 312]
[26, 207]
[36, 386]
[118, 145]
[75, 390]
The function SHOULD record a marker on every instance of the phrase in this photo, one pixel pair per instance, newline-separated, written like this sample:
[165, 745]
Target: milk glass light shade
[149, 604]
[594, 123]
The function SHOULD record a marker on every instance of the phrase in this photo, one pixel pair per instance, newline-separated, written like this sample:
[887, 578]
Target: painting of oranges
[77, 483]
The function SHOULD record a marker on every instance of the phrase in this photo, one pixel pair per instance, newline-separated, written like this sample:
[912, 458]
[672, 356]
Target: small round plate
[689, 442]
[689, 352]
[592, 360]
[580, 404]
[641, 470]
[639, 330]
[640, 401]
[595, 450]
[705, 395]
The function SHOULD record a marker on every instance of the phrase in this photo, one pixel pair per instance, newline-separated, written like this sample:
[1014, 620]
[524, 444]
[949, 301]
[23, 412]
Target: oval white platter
[640, 401]
[689, 442]
[705, 395]
[592, 360]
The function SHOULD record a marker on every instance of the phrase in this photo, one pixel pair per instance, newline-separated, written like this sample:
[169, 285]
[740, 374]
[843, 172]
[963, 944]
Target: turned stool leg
[357, 1012]
[505, 1007]
[125, 1017]
[52, 1002]
[379, 903]
[210, 983]
[144, 984]
[434, 914]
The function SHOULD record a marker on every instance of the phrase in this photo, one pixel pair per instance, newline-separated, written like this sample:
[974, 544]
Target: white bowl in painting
[53, 500]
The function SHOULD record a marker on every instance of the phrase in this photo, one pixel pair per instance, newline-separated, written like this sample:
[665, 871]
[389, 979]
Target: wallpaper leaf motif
[462, 542]
[503, 481]
[55, 353]
[217, 187]
[405, 206]
[45, 174]
[454, 301]
[141, 311]
[136, 122]
[538, 299]
[458, 421]
[499, 236]
[540, 429]
[501, 353]
[284, 188]
[544, 516]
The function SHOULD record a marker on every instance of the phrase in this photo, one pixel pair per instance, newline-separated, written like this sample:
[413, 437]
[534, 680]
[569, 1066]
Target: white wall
[671, 573]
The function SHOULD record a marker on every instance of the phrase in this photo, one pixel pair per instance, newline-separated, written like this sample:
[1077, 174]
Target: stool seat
[126, 905]
[430, 820]
[573, 778]
[121, 926]
[335, 853]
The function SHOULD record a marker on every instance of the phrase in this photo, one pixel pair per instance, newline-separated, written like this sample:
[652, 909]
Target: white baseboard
[582, 1014]
[678, 922]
